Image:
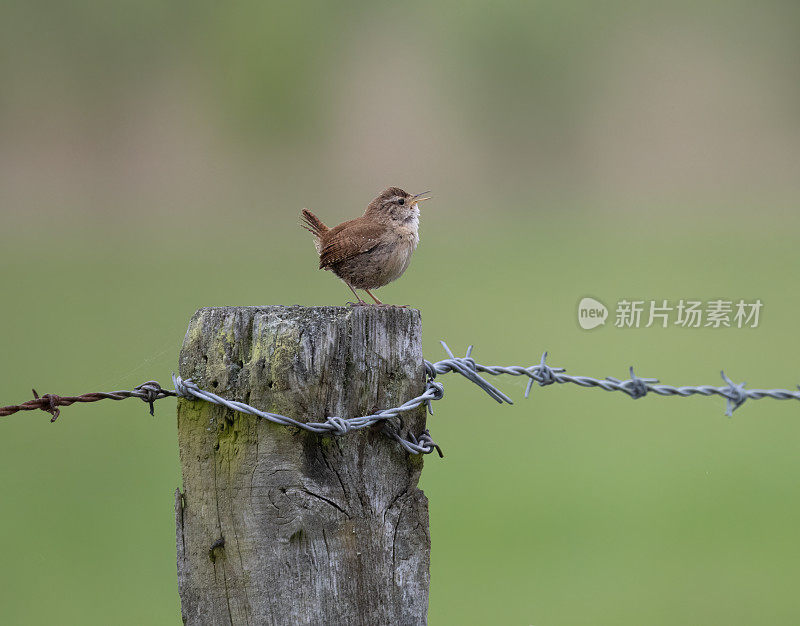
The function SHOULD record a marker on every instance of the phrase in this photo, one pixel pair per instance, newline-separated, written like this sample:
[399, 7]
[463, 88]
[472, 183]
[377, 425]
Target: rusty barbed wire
[636, 387]
[149, 392]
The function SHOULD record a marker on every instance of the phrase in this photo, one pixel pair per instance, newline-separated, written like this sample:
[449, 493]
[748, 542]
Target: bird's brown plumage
[361, 236]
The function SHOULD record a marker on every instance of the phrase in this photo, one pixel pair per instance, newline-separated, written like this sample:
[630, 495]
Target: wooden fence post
[277, 525]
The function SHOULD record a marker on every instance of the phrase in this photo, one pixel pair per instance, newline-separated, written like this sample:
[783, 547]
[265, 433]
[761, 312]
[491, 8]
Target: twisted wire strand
[334, 425]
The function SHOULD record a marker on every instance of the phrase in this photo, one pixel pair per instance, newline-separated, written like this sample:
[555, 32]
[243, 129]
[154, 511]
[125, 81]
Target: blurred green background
[154, 157]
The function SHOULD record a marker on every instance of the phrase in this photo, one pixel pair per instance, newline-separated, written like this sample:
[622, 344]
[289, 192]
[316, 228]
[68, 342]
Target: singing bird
[372, 250]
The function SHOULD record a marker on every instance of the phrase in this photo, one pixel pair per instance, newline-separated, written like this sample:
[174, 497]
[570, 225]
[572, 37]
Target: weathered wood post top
[277, 525]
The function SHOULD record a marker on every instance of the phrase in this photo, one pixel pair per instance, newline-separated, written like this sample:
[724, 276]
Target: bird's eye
[401, 201]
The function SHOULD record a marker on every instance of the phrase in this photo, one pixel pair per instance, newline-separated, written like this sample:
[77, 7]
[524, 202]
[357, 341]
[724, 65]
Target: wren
[372, 250]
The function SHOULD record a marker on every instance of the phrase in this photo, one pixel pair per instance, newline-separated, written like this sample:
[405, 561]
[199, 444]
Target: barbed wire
[636, 387]
[50, 402]
[735, 394]
[335, 425]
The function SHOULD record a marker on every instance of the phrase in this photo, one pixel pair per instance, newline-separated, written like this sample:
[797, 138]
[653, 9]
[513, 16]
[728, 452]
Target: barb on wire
[735, 395]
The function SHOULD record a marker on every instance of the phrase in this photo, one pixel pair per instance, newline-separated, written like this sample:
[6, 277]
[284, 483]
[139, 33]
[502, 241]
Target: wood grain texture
[316, 529]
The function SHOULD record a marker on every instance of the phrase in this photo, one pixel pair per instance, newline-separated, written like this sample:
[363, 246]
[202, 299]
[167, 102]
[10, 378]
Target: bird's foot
[359, 303]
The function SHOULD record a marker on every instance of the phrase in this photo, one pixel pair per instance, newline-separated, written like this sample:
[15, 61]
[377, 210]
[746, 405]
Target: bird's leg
[378, 302]
[359, 301]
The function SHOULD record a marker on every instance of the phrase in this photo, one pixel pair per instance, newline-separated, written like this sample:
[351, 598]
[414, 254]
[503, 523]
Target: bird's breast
[396, 259]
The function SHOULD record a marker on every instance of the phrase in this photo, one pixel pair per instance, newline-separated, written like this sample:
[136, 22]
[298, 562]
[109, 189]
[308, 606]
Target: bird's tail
[312, 223]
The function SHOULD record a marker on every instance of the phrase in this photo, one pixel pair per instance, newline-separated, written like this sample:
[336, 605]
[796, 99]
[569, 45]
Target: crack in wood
[327, 500]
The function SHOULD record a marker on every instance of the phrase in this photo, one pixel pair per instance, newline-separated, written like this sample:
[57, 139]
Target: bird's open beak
[419, 198]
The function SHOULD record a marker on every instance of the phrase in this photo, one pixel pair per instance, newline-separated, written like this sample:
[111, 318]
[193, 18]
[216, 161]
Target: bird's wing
[348, 240]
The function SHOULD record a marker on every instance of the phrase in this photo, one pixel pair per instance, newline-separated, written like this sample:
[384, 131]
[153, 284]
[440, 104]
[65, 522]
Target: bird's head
[396, 205]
